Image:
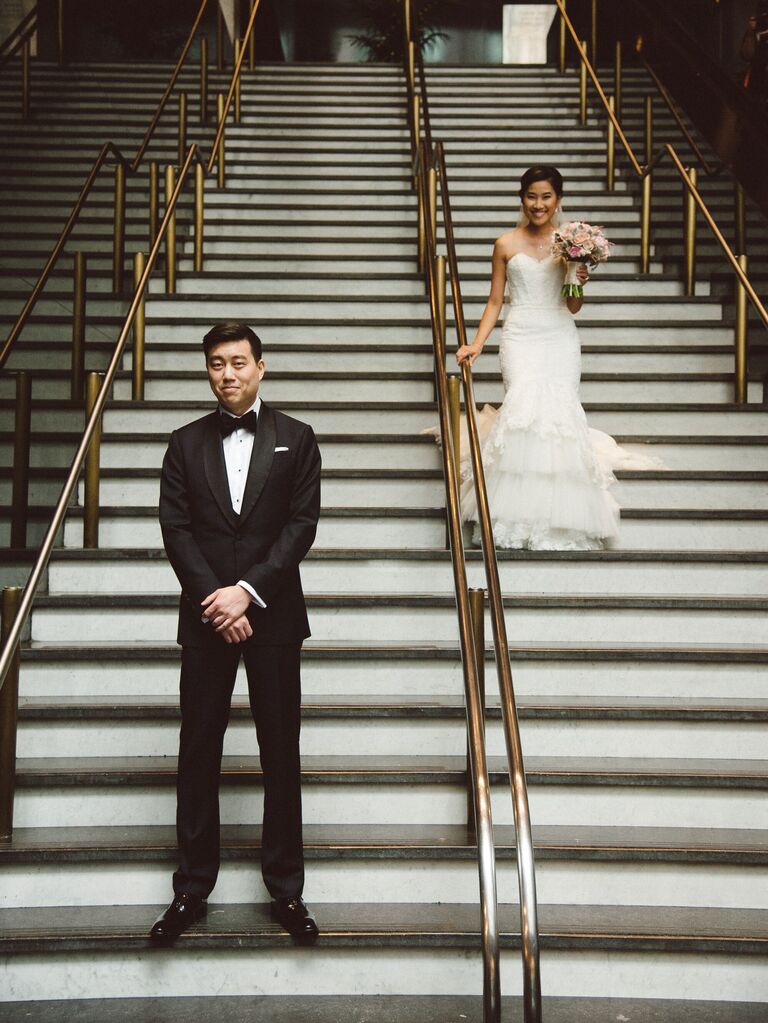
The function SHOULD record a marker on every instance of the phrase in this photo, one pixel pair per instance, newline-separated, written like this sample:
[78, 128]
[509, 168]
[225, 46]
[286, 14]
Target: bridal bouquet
[579, 243]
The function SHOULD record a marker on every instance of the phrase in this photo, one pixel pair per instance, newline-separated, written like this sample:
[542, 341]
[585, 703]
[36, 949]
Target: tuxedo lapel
[261, 459]
[216, 469]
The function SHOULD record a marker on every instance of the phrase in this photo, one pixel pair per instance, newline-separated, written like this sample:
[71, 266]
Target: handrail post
[154, 201]
[182, 143]
[689, 273]
[199, 216]
[221, 176]
[583, 85]
[610, 155]
[139, 330]
[170, 236]
[25, 83]
[740, 339]
[203, 80]
[238, 46]
[432, 200]
[77, 382]
[440, 288]
[454, 404]
[561, 43]
[416, 122]
[9, 709]
[118, 241]
[421, 254]
[252, 43]
[617, 77]
[648, 125]
[407, 18]
[412, 64]
[740, 218]
[92, 470]
[219, 37]
[593, 33]
[645, 224]
[22, 433]
[477, 611]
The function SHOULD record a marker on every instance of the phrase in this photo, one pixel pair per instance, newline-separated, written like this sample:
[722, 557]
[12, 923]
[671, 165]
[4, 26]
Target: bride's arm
[492, 309]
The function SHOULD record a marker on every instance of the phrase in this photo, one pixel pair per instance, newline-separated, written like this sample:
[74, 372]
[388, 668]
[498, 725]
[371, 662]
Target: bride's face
[540, 203]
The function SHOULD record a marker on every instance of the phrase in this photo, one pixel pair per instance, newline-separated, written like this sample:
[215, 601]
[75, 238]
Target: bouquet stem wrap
[572, 288]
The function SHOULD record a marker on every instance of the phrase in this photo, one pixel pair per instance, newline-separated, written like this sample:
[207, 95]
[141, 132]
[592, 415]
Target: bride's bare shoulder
[507, 244]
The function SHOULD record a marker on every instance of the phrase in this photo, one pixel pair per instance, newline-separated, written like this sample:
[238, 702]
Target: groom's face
[234, 375]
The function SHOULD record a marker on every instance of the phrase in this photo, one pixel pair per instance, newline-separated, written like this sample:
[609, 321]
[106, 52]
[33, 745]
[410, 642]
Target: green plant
[381, 34]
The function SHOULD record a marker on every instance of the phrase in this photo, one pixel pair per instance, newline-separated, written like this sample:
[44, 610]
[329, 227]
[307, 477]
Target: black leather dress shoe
[181, 914]
[294, 916]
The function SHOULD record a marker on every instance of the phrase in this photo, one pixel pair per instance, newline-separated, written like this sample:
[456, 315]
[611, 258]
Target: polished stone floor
[371, 1010]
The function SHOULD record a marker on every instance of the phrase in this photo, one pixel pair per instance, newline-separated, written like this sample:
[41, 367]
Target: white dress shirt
[238, 447]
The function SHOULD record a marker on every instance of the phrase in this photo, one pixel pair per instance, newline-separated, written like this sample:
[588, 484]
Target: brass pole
[416, 121]
[139, 330]
[618, 74]
[441, 301]
[203, 80]
[170, 235]
[92, 469]
[689, 214]
[252, 44]
[9, 708]
[60, 31]
[22, 430]
[583, 85]
[454, 407]
[238, 45]
[118, 241]
[154, 201]
[740, 218]
[182, 147]
[422, 239]
[77, 382]
[740, 338]
[561, 43]
[593, 34]
[25, 85]
[648, 129]
[219, 37]
[221, 176]
[199, 216]
[412, 64]
[407, 16]
[432, 200]
[645, 226]
[610, 156]
[477, 613]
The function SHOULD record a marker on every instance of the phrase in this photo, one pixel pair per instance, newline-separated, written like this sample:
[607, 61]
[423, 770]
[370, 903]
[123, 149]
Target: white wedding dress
[549, 476]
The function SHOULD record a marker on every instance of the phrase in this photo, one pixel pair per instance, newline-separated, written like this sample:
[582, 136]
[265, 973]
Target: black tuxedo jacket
[209, 545]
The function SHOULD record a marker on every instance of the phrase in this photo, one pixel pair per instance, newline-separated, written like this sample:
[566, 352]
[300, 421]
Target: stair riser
[562, 677]
[391, 576]
[598, 806]
[389, 531]
[381, 493]
[374, 972]
[724, 740]
[387, 881]
[622, 625]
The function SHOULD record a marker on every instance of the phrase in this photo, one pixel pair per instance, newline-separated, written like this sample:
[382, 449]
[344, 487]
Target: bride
[548, 475]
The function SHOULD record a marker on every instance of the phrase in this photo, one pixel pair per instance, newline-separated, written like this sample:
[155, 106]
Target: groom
[239, 504]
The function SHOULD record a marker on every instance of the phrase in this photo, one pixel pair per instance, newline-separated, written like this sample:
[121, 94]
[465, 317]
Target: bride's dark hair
[542, 173]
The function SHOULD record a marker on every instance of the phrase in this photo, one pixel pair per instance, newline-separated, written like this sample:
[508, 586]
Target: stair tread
[149, 842]
[110, 928]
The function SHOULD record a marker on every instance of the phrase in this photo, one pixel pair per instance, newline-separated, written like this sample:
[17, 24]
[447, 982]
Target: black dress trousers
[274, 687]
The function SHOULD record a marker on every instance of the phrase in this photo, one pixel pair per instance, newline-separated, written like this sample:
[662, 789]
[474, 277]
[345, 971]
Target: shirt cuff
[254, 595]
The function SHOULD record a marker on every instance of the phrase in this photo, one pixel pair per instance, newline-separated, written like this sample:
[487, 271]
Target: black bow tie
[228, 424]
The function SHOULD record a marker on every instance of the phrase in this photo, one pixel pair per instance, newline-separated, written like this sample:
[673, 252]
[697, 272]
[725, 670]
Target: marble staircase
[639, 670]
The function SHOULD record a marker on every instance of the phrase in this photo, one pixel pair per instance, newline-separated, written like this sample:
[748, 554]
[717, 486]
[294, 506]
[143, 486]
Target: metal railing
[21, 39]
[692, 200]
[431, 168]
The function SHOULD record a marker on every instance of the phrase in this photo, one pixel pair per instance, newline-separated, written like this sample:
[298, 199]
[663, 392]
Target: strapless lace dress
[549, 476]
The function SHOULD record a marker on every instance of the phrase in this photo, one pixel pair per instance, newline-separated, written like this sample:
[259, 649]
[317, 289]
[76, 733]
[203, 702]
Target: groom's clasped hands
[225, 610]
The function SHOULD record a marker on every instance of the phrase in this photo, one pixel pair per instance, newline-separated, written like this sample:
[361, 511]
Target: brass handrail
[18, 36]
[469, 653]
[107, 149]
[92, 421]
[136, 162]
[643, 171]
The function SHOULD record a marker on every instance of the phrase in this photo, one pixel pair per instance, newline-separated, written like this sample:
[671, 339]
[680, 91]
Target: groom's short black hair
[232, 332]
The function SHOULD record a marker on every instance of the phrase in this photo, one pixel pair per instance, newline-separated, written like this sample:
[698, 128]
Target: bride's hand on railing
[470, 352]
